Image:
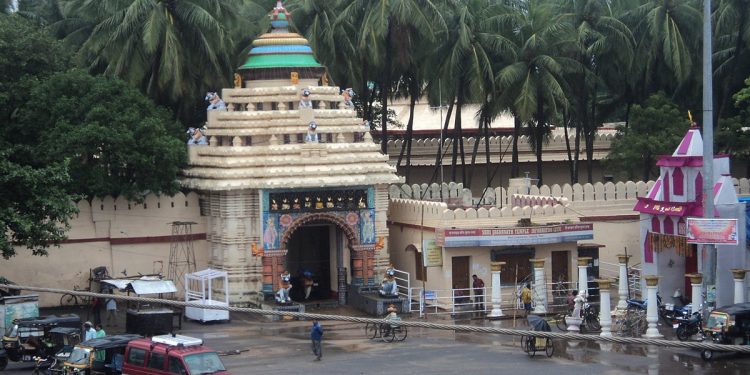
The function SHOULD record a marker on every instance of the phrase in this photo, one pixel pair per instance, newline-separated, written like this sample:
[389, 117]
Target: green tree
[172, 50]
[34, 206]
[655, 128]
[733, 136]
[117, 141]
[535, 82]
[27, 54]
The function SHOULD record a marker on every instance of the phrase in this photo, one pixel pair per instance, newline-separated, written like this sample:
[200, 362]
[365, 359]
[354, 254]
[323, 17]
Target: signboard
[712, 231]
[514, 236]
[432, 254]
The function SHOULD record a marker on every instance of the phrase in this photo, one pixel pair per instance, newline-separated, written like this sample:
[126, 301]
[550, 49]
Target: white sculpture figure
[579, 302]
[312, 136]
[348, 94]
[389, 288]
[282, 295]
[197, 136]
[305, 101]
[214, 102]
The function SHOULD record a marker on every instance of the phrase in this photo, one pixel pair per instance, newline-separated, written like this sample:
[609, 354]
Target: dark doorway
[560, 266]
[593, 253]
[691, 266]
[517, 266]
[309, 250]
[460, 279]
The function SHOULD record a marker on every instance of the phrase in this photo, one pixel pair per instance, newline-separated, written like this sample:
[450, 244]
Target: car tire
[707, 355]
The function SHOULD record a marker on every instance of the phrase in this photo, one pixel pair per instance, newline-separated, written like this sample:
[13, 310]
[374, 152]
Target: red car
[169, 355]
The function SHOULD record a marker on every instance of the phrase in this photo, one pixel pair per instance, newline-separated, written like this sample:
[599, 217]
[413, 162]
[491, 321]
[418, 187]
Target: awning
[144, 285]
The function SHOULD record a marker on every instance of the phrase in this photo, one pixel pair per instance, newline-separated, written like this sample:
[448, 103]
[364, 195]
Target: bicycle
[72, 299]
[387, 332]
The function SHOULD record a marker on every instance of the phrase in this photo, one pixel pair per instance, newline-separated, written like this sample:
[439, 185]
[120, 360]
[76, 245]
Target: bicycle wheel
[525, 344]
[371, 330]
[549, 349]
[386, 332]
[531, 343]
[561, 323]
[68, 300]
[399, 333]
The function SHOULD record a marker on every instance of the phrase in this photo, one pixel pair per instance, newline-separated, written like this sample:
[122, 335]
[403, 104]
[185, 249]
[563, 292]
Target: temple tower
[290, 179]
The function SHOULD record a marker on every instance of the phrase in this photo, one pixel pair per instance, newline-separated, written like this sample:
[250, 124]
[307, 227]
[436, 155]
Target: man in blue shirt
[316, 335]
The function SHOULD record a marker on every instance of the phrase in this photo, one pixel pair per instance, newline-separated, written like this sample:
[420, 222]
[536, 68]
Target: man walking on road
[316, 335]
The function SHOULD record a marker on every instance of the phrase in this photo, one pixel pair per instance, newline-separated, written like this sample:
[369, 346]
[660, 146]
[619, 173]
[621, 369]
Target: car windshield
[12, 330]
[204, 363]
[79, 356]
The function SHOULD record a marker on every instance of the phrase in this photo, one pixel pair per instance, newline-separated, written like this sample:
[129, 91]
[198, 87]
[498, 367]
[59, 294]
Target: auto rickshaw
[30, 337]
[62, 341]
[98, 356]
[729, 325]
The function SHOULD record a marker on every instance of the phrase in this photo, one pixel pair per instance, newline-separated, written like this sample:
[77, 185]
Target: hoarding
[712, 231]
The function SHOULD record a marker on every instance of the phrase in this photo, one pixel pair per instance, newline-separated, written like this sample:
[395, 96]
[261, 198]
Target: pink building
[677, 195]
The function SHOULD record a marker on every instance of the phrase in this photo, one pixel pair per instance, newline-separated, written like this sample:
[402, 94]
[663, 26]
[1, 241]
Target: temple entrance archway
[321, 244]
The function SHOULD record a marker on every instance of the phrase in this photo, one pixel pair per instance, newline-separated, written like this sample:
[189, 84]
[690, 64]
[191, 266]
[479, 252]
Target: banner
[514, 236]
[432, 254]
[712, 231]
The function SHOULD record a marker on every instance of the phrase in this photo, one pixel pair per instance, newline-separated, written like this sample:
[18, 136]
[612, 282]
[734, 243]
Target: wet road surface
[284, 348]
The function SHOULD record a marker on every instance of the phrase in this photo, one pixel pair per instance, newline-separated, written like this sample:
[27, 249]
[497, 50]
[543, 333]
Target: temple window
[666, 186]
[300, 138]
[290, 105]
[359, 137]
[329, 138]
[248, 141]
[258, 106]
[655, 224]
[274, 106]
[677, 182]
[699, 188]
[668, 225]
[286, 139]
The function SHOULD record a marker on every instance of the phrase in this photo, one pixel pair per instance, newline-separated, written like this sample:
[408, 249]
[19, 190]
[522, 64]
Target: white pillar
[583, 276]
[605, 309]
[622, 285]
[540, 289]
[696, 296]
[652, 311]
[497, 295]
[739, 285]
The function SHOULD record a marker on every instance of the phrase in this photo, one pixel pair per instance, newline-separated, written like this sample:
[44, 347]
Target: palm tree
[535, 81]
[472, 44]
[170, 49]
[388, 30]
[602, 43]
[732, 25]
[667, 37]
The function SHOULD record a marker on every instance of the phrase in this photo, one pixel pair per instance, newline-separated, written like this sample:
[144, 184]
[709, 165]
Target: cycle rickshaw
[388, 331]
[531, 344]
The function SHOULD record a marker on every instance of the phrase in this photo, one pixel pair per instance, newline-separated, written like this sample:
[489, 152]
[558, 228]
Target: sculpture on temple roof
[197, 136]
[312, 136]
[305, 101]
[348, 94]
[388, 287]
[237, 81]
[282, 295]
[214, 102]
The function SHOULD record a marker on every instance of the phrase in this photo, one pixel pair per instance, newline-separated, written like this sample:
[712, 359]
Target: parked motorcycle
[686, 328]
[667, 312]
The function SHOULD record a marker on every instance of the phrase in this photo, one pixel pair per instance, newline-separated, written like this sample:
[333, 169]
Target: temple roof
[280, 48]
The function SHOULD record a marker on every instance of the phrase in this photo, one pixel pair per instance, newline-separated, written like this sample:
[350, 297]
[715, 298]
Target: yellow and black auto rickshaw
[102, 355]
[729, 325]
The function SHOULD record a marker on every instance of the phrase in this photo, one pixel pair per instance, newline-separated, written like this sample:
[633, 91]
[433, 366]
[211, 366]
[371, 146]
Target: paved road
[284, 348]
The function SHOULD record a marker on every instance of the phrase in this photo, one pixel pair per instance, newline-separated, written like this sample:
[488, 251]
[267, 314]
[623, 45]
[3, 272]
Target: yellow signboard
[432, 254]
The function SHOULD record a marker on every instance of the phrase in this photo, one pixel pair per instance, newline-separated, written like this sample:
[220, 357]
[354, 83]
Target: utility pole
[709, 257]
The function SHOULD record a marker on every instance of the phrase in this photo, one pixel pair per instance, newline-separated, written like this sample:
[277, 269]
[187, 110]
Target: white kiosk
[199, 288]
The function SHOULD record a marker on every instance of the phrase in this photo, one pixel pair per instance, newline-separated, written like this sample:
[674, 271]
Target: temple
[676, 195]
[290, 183]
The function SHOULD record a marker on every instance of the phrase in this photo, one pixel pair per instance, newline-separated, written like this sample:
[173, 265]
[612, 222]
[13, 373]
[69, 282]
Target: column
[540, 289]
[583, 275]
[739, 285]
[605, 309]
[622, 285]
[696, 281]
[497, 296]
[652, 312]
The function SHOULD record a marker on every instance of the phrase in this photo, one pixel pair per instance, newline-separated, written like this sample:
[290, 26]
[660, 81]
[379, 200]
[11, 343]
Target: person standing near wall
[316, 335]
[111, 306]
[478, 286]
[526, 298]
